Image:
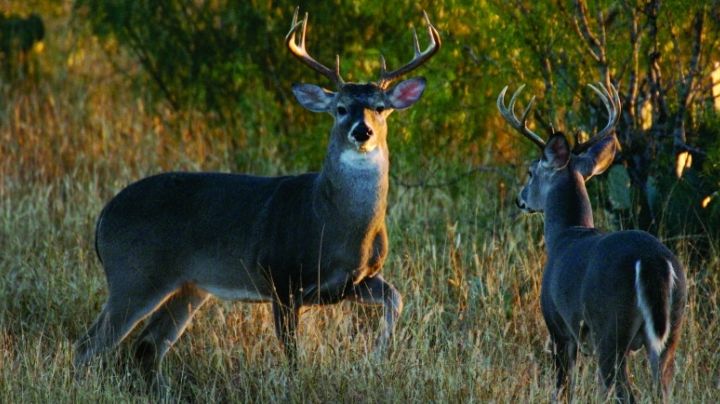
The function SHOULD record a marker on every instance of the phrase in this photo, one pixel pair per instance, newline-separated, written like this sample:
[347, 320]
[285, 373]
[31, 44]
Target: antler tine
[419, 58]
[611, 99]
[519, 124]
[416, 43]
[300, 51]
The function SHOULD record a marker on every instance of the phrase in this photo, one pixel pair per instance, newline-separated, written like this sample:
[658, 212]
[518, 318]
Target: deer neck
[567, 205]
[354, 185]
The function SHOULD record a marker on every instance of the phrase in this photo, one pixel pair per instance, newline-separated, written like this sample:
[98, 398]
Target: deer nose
[362, 133]
[520, 204]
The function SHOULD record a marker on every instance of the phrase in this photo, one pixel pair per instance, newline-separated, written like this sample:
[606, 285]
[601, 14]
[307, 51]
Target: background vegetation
[117, 90]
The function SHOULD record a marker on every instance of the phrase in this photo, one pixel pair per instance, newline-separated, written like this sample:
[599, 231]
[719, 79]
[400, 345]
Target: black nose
[362, 133]
[520, 204]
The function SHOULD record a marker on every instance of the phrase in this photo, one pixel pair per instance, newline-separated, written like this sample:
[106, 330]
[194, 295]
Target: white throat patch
[370, 160]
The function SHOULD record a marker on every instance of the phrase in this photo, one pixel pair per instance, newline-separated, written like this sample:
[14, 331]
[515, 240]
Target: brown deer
[615, 292]
[170, 241]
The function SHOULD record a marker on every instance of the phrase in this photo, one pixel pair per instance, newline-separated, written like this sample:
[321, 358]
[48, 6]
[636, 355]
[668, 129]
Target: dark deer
[614, 292]
[170, 241]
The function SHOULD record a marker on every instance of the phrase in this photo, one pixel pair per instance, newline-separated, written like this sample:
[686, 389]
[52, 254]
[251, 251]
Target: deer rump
[627, 292]
[178, 228]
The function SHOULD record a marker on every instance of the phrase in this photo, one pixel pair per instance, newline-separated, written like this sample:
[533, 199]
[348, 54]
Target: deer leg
[564, 356]
[164, 328]
[667, 368]
[655, 366]
[613, 369]
[666, 365]
[286, 322]
[123, 310]
[376, 291]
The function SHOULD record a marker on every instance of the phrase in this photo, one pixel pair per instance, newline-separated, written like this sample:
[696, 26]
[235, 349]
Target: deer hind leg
[164, 328]
[377, 291]
[663, 366]
[88, 345]
[613, 368]
[655, 359]
[126, 306]
[564, 356]
[666, 370]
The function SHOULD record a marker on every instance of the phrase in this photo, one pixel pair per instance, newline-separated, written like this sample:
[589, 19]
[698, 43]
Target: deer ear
[556, 153]
[406, 93]
[598, 158]
[313, 97]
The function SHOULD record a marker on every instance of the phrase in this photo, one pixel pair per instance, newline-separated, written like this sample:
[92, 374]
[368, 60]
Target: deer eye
[341, 110]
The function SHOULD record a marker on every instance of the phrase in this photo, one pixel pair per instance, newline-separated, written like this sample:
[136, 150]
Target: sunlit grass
[471, 330]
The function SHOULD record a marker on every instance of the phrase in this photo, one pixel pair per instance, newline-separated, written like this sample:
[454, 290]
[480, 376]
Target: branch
[146, 60]
[632, 95]
[686, 86]
[596, 47]
[583, 29]
[544, 53]
[654, 79]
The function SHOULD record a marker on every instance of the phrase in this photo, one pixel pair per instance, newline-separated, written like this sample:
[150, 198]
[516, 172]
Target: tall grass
[469, 269]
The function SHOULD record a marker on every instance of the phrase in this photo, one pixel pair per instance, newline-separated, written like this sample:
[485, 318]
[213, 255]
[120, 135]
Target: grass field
[468, 265]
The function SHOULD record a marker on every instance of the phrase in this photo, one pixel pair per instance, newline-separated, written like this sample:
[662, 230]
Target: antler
[519, 124]
[420, 57]
[611, 99]
[301, 51]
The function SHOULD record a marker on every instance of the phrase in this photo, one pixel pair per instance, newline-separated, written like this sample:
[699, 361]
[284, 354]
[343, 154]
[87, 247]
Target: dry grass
[469, 271]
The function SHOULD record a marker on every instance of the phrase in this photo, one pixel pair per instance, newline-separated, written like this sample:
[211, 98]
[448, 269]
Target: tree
[660, 59]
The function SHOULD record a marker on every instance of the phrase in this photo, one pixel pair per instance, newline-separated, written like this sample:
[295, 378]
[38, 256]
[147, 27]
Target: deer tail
[654, 297]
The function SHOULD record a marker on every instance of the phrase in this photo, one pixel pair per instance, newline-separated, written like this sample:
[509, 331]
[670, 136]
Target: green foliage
[229, 59]
[548, 47]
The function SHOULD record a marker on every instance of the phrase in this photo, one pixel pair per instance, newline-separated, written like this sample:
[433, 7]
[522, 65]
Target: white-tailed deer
[615, 292]
[170, 241]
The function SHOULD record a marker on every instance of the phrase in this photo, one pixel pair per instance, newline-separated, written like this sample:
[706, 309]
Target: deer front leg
[376, 291]
[286, 321]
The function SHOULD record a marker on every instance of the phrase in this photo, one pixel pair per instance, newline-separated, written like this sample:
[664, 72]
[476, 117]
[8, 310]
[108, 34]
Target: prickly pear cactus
[618, 184]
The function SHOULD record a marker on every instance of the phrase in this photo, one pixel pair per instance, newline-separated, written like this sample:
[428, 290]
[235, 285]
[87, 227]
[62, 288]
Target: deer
[169, 242]
[605, 293]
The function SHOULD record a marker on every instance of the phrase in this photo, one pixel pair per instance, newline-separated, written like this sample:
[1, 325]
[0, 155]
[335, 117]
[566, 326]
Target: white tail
[657, 334]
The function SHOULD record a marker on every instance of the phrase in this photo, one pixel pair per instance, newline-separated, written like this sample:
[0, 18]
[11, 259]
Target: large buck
[612, 292]
[170, 241]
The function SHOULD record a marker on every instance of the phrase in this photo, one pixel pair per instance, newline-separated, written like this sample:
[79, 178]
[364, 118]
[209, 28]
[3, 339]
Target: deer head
[359, 110]
[559, 161]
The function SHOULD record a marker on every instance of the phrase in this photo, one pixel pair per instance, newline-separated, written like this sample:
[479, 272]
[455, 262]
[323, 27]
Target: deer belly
[229, 279]
[246, 294]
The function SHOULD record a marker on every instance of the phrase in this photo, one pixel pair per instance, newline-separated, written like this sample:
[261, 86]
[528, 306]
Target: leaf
[619, 188]
[653, 196]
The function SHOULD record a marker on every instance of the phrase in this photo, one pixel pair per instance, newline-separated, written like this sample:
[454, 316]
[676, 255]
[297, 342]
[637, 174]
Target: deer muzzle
[361, 132]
